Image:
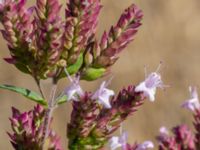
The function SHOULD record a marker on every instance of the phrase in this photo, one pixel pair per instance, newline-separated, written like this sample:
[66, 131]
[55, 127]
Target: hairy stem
[48, 114]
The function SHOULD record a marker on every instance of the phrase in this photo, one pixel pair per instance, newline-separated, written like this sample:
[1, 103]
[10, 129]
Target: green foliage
[33, 96]
[86, 143]
[61, 99]
[93, 73]
[74, 68]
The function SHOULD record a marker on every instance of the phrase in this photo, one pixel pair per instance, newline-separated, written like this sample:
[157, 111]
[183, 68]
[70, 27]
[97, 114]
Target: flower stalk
[48, 113]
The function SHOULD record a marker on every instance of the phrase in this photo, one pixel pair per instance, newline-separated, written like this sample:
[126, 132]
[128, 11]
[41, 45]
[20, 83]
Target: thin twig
[48, 114]
[40, 88]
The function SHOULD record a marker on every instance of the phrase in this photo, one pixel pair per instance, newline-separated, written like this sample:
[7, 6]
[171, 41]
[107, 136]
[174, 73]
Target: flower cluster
[116, 142]
[46, 45]
[42, 44]
[96, 116]
[183, 138]
[27, 130]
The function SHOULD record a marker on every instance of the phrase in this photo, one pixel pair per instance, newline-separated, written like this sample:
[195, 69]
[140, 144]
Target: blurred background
[170, 33]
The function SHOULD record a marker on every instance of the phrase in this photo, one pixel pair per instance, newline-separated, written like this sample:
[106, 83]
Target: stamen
[159, 67]
[109, 81]
[69, 77]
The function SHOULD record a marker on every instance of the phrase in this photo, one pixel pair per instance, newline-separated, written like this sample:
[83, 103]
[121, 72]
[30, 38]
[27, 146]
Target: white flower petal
[149, 85]
[163, 130]
[193, 92]
[72, 90]
[114, 143]
[193, 103]
[145, 145]
[102, 95]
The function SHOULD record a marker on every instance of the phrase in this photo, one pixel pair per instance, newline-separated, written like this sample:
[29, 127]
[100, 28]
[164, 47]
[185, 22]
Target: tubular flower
[150, 84]
[193, 103]
[103, 95]
[74, 90]
[116, 142]
[145, 145]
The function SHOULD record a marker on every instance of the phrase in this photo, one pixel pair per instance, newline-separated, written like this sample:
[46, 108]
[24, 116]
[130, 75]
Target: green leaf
[93, 73]
[25, 92]
[62, 99]
[22, 68]
[74, 68]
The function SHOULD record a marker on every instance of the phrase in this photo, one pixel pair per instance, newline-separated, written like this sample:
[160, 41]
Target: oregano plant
[45, 45]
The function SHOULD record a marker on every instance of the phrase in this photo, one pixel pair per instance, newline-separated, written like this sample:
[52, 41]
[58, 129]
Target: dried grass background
[170, 33]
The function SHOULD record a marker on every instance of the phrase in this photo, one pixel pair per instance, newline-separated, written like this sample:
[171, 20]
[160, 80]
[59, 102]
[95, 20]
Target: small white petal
[149, 92]
[193, 92]
[193, 103]
[149, 85]
[163, 130]
[114, 143]
[145, 145]
[72, 90]
[103, 95]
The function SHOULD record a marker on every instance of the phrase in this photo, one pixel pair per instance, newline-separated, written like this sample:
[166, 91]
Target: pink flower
[103, 95]
[149, 85]
[116, 142]
[145, 145]
[193, 103]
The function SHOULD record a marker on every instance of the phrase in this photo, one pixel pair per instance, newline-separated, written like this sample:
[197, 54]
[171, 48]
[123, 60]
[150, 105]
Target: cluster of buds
[34, 41]
[100, 56]
[27, 131]
[96, 116]
[80, 25]
[183, 138]
[43, 45]
[18, 32]
[92, 123]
